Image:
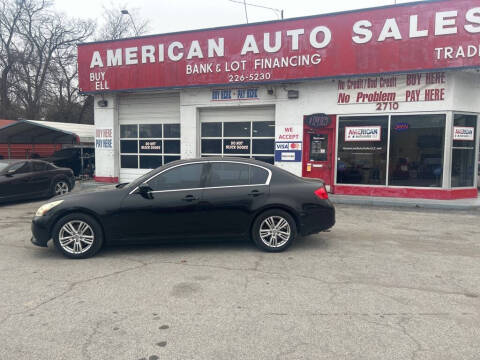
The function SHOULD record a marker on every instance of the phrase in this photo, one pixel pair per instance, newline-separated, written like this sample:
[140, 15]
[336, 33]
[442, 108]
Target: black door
[173, 210]
[232, 192]
[40, 181]
[15, 182]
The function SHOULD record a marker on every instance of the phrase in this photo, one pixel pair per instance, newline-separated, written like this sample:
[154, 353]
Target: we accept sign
[430, 35]
[288, 143]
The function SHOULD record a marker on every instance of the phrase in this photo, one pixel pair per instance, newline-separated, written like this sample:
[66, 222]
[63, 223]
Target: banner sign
[235, 94]
[421, 36]
[390, 90]
[288, 151]
[363, 133]
[463, 133]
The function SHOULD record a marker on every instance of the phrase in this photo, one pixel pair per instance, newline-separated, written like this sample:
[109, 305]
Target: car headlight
[47, 207]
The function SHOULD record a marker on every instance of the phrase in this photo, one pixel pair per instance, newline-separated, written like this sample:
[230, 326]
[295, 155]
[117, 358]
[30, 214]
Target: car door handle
[189, 198]
[255, 193]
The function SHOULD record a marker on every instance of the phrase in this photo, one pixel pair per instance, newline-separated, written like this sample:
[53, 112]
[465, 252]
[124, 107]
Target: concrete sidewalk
[461, 204]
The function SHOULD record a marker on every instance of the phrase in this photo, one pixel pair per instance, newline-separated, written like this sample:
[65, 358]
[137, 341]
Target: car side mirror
[145, 191]
[11, 172]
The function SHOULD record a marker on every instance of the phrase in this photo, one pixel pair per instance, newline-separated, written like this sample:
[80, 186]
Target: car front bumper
[40, 232]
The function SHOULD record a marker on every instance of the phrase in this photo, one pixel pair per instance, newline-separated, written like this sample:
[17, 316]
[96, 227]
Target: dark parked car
[71, 158]
[202, 198]
[28, 179]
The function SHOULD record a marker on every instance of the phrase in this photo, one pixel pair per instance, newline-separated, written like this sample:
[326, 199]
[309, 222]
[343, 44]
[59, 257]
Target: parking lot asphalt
[384, 283]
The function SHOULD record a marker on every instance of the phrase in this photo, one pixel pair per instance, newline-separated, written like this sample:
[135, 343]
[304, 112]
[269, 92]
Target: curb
[412, 204]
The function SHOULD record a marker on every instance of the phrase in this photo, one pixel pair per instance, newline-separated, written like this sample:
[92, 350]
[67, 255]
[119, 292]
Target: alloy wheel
[61, 188]
[76, 237]
[275, 231]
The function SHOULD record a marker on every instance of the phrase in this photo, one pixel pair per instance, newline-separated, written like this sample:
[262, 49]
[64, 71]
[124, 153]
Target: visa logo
[282, 146]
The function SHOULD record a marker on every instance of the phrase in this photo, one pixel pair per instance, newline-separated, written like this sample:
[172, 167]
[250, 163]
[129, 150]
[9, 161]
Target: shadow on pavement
[183, 247]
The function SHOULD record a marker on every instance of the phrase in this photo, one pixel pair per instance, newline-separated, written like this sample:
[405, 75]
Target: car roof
[220, 158]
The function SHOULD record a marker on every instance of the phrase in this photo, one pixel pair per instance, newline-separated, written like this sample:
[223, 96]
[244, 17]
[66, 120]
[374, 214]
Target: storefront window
[416, 150]
[128, 131]
[249, 139]
[148, 146]
[213, 129]
[150, 130]
[264, 128]
[362, 150]
[463, 151]
[239, 129]
[171, 130]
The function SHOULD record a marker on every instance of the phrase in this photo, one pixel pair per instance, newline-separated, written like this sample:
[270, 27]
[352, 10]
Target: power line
[278, 12]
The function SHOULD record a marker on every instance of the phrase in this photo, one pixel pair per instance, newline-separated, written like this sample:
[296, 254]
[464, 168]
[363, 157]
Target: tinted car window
[228, 174]
[258, 175]
[180, 177]
[39, 166]
[20, 168]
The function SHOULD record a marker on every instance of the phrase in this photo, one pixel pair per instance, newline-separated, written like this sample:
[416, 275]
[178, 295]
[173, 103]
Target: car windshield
[3, 166]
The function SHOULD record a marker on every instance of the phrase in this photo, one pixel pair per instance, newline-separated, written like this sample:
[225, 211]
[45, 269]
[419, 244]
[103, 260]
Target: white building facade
[411, 131]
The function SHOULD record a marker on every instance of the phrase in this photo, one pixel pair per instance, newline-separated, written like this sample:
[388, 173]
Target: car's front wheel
[77, 236]
[274, 230]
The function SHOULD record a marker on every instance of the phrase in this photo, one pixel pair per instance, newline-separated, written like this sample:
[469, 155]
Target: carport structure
[34, 136]
[47, 132]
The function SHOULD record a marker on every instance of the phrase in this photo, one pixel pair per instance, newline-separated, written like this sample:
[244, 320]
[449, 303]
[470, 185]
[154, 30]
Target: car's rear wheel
[77, 236]
[274, 230]
[60, 187]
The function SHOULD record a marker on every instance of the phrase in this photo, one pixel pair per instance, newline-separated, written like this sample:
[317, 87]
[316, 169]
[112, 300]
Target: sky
[178, 15]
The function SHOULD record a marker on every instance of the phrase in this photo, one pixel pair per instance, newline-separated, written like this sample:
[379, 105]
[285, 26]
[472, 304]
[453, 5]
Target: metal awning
[46, 132]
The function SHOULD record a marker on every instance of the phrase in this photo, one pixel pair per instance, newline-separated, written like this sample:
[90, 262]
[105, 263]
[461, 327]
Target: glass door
[463, 150]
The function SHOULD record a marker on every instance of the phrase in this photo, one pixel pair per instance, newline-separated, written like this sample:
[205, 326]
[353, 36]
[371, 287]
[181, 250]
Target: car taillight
[321, 193]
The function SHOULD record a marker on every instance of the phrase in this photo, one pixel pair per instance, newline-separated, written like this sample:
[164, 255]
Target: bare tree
[12, 13]
[44, 35]
[38, 65]
[62, 87]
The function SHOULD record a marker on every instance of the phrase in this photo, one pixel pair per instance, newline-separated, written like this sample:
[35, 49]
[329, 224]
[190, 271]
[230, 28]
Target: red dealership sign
[419, 36]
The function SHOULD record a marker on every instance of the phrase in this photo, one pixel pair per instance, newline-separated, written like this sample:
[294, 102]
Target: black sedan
[28, 179]
[202, 198]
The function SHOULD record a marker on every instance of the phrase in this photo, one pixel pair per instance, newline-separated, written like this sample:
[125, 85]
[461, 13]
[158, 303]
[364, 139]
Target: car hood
[93, 199]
